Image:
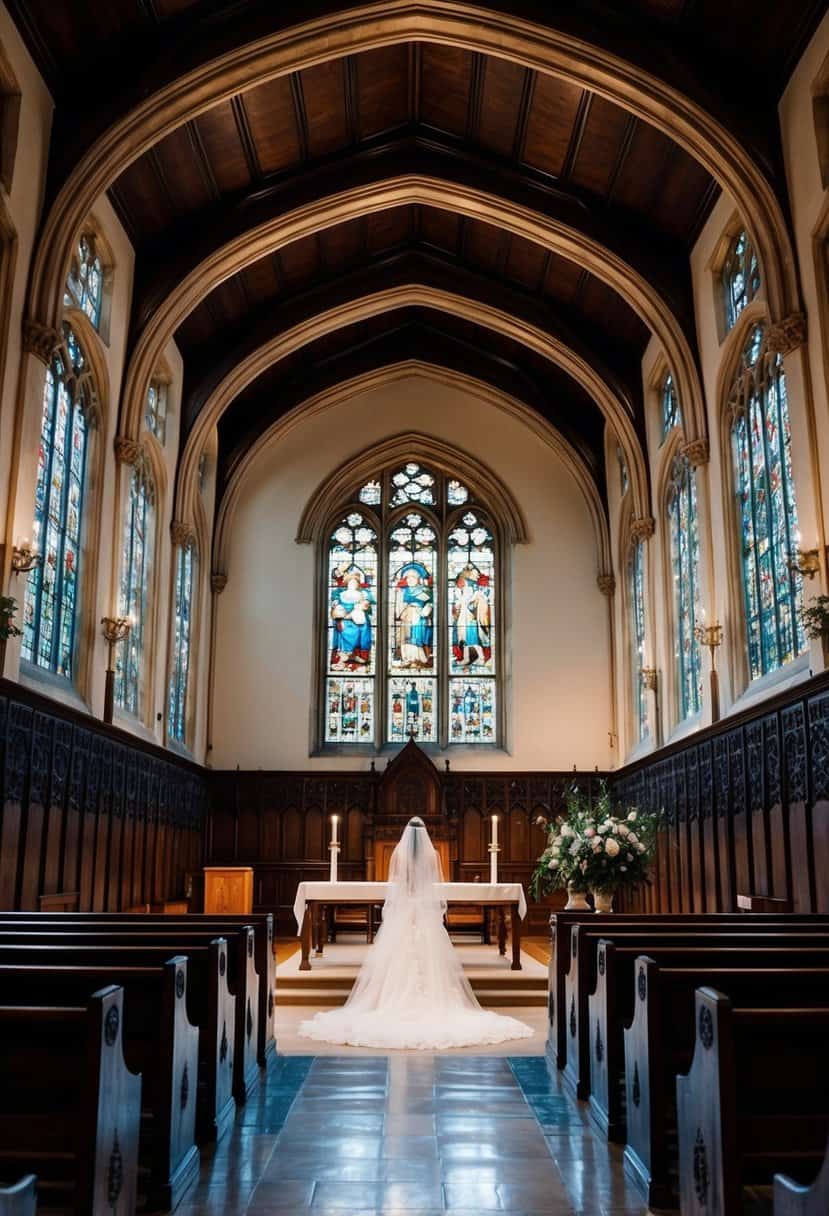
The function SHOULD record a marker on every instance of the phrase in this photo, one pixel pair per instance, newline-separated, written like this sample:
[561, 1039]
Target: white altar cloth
[375, 892]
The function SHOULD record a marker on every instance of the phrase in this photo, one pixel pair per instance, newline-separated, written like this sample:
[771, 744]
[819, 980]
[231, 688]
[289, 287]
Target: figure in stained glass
[471, 619]
[351, 614]
[413, 617]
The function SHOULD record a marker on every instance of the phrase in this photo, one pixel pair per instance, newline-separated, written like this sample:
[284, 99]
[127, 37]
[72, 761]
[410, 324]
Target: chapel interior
[414, 408]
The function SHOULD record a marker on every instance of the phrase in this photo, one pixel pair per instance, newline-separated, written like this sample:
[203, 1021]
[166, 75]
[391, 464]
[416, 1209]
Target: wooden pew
[244, 979]
[159, 1042]
[69, 1106]
[659, 1042]
[755, 1101]
[581, 976]
[561, 924]
[210, 1006]
[263, 950]
[20, 1198]
[792, 1199]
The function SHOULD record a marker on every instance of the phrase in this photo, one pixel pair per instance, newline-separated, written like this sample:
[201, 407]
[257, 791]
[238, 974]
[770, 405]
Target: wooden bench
[581, 976]
[792, 1199]
[659, 1043]
[263, 950]
[69, 1106]
[243, 976]
[210, 1006]
[159, 1042]
[561, 924]
[755, 1101]
[20, 1198]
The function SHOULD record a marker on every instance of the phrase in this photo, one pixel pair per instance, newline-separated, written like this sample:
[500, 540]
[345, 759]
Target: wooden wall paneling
[779, 840]
[741, 828]
[796, 792]
[73, 819]
[708, 828]
[757, 808]
[15, 783]
[819, 796]
[43, 731]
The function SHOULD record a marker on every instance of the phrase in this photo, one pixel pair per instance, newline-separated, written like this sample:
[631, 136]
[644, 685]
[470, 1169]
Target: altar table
[312, 896]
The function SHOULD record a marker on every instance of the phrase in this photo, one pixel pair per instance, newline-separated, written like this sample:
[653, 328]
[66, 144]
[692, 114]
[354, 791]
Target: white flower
[622, 867]
[640, 848]
[622, 829]
[629, 856]
[611, 847]
[603, 828]
[553, 864]
[575, 848]
[566, 830]
[596, 845]
[632, 817]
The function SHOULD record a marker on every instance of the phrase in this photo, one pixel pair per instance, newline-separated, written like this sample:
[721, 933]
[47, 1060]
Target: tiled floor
[422, 1134]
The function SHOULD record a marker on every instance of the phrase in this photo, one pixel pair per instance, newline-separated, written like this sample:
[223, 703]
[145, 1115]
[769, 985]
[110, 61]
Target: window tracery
[740, 277]
[684, 556]
[135, 585]
[85, 281]
[177, 701]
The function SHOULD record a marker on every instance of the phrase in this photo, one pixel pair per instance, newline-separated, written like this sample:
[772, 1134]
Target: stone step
[331, 998]
[513, 980]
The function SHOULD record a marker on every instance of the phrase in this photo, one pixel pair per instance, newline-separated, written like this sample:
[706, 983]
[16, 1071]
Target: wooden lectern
[228, 889]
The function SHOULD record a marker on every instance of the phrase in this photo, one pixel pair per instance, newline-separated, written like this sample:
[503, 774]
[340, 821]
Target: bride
[411, 991]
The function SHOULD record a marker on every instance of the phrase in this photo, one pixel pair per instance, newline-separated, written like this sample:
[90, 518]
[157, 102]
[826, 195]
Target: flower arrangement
[591, 849]
[8, 608]
[816, 617]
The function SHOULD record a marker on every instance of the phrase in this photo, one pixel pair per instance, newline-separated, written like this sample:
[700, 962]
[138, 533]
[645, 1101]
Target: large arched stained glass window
[182, 641]
[51, 599]
[136, 560]
[766, 507]
[740, 277]
[636, 628]
[684, 546]
[410, 651]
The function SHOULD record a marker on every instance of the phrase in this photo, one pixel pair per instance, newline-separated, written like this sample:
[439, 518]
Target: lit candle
[333, 850]
[494, 829]
[334, 821]
[493, 852]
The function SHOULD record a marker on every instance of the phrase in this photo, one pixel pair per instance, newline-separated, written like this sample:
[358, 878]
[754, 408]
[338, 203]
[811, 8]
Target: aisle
[412, 1134]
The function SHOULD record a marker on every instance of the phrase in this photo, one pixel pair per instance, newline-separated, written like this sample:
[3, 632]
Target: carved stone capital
[218, 582]
[606, 584]
[126, 450]
[40, 340]
[181, 534]
[696, 452]
[642, 529]
[787, 335]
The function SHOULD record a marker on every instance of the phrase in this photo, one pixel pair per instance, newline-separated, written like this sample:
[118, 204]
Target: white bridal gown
[411, 991]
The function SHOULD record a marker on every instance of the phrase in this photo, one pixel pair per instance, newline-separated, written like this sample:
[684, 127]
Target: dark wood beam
[352, 97]
[203, 160]
[300, 116]
[524, 107]
[240, 115]
[621, 156]
[161, 178]
[116, 197]
[576, 135]
[415, 78]
[476, 89]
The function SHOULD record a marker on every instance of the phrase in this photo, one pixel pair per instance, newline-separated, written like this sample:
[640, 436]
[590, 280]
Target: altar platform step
[332, 998]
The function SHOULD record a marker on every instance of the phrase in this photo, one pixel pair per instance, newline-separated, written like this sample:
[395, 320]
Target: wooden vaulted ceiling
[507, 129]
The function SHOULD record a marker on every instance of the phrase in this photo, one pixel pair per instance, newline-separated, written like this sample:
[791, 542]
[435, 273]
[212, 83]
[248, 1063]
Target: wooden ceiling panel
[196, 329]
[684, 186]
[183, 179]
[388, 229]
[501, 104]
[172, 8]
[439, 228]
[562, 278]
[272, 119]
[638, 182]
[525, 263]
[229, 302]
[219, 136]
[323, 92]
[382, 89]
[483, 245]
[146, 201]
[604, 131]
[344, 245]
[606, 308]
[261, 280]
[299, 260]
[555, 105]
[445, 76]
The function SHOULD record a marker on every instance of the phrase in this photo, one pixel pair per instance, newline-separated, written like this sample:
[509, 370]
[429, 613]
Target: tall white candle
[334, 849]
[334, 821]
[494, 829]
[493, 854]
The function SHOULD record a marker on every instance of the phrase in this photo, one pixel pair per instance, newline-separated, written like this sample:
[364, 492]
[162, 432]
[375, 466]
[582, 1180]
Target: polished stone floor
[411, 1134]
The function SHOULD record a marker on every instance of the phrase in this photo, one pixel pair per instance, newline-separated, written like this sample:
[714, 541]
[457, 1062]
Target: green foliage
[8, 608]
[592, 849]
[816, 617]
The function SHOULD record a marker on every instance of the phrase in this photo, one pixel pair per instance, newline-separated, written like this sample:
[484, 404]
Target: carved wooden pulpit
[410, 786]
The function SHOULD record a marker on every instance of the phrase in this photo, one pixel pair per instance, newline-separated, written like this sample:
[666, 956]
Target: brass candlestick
[711, 636]
[115, 630]
[25, 557]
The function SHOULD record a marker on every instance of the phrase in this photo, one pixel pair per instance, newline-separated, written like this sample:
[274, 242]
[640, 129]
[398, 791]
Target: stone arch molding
[444, 455]
[245, 372]
[406, 190]
[351, 31]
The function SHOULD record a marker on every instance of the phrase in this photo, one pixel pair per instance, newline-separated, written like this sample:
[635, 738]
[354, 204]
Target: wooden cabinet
[228, 889]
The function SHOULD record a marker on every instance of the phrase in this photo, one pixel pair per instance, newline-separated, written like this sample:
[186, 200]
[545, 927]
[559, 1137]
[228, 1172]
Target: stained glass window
[636, 597]
[156, 412]
[740, 277]
[767, 512]
[51, 597]
[352, 590]
[624, 480]
[136, 559]
[410, 608]
[182, 637]
[471, 624]
[684, 544]
[670, 406]
[85, 282]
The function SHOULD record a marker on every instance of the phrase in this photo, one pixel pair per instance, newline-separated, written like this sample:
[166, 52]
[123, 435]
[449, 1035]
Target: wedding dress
[411, 991]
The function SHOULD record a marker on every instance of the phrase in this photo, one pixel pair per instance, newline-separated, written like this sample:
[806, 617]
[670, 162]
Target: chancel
[414, 607]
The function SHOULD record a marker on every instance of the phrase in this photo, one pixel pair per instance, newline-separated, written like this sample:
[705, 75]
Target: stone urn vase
[603, 901]
[576, 900]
